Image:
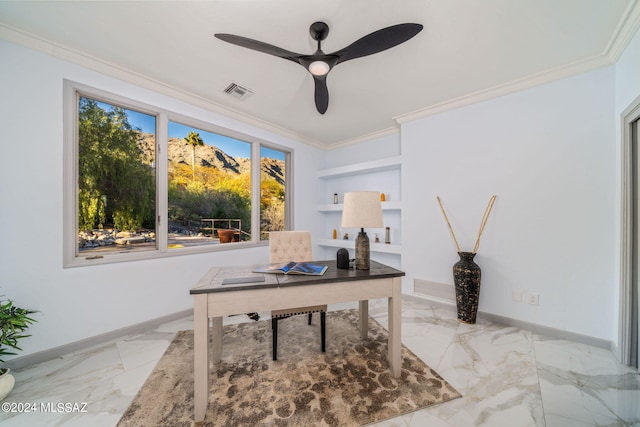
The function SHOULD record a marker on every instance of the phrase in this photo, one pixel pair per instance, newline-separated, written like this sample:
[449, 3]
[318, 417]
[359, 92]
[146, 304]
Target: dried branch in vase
[485, 217]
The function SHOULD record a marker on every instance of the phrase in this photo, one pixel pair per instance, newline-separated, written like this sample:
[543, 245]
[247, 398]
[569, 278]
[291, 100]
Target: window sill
[113, 258]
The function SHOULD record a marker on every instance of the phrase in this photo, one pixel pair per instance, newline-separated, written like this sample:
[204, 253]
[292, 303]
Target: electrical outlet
[533, 298]
[516, 296]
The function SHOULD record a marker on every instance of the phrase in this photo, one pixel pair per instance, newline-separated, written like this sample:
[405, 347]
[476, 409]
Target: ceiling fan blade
[259, 46]
[378, 41]
[322, 93]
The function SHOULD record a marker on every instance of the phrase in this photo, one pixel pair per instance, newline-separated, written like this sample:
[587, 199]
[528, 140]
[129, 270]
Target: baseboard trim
[535, 328]
[56, 352]
[548, 331]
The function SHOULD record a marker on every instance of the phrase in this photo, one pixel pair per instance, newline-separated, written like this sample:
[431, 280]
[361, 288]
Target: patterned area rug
[349, 385]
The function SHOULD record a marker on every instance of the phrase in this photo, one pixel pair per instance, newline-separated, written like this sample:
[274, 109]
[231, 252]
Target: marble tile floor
[507, 376]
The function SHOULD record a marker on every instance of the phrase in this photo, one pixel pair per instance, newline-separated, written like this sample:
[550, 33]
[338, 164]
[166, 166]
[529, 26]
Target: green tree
[271, 205]
[116, 183]
[194, 140]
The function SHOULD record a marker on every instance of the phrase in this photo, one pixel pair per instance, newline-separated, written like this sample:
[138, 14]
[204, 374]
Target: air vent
[236, 91]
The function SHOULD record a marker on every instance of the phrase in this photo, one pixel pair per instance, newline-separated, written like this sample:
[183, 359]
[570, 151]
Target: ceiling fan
[319, 63]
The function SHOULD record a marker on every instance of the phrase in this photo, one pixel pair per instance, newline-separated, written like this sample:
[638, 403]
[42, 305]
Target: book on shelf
[306, 268]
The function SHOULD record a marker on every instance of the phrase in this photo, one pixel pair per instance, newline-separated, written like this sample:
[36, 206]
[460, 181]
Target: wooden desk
[212, 299]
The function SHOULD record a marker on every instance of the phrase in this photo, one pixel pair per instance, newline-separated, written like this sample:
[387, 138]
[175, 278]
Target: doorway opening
[629, 334]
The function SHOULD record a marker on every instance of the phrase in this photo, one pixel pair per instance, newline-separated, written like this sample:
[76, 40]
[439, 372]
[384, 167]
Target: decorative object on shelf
[382, 197]
[342, 259]
[466, 273]
[362, 209]
[346, 236]
[335, 198]
[335, 234]
[377, 238]
[387, 235]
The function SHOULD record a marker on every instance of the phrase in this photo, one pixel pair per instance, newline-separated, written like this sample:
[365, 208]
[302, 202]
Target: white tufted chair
[285, 246]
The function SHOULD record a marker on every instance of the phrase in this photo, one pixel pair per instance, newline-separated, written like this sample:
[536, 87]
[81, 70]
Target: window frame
[72, 91]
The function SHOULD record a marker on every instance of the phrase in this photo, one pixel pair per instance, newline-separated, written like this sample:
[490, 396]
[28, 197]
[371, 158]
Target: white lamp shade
[362, 209]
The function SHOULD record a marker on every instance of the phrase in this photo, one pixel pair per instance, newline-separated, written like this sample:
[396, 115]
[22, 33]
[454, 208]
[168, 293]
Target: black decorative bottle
[466, 276]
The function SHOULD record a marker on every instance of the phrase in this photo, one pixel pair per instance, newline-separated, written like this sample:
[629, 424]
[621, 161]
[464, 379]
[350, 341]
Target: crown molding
[84, 60]
[508, 88]
[367, 137]
[626, 29]
[624, 32]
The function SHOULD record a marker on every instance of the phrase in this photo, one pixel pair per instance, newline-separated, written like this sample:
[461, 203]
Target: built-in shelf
[392, 205]
[392, 208]
[381, 165]
[350, 244]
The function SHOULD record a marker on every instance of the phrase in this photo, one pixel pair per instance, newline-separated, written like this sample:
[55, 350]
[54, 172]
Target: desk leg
[364, 319]
[216, 339]
[200, 356]
[395, 330]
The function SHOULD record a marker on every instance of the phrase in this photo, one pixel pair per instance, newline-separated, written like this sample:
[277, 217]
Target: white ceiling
[468, 50]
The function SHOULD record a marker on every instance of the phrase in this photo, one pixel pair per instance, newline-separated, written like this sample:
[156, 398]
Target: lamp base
[362, 251]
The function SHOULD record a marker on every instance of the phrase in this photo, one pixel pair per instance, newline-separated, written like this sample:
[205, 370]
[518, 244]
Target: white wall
[373, 149]
[78, 303]
[628, 75]
[549, 154]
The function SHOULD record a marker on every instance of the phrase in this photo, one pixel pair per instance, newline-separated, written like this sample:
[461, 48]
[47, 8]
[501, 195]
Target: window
[209, 182]
[141, 182]
[272, 191]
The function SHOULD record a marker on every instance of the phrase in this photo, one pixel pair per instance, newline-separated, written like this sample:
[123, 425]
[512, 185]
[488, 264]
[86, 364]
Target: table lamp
[362, 209]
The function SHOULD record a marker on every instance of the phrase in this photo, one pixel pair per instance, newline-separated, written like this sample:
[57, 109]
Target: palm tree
[194, 140]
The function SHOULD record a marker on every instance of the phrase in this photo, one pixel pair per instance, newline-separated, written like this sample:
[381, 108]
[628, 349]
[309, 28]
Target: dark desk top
[212, 281]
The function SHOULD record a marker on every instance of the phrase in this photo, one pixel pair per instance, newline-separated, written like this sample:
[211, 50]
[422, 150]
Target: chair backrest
[290, 246]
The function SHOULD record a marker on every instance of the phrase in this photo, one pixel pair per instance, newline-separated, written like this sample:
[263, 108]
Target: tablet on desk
[237, 280]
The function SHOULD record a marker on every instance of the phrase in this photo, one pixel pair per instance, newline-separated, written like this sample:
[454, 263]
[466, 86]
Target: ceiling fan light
[319, 68]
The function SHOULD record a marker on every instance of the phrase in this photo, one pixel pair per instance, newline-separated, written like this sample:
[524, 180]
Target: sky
[233, 147]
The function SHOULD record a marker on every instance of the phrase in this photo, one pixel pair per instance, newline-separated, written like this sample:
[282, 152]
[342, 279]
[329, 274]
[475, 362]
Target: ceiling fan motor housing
[319, 31]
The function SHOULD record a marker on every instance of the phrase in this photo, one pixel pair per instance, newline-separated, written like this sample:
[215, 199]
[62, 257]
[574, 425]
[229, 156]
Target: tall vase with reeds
[466, 273]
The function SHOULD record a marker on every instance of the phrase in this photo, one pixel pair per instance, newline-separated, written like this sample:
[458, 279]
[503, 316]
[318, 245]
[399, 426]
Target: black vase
[466, 276]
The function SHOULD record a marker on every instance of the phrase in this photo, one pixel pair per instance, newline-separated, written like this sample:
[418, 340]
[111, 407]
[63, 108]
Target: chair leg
[310, 315]
[274, 333]
[323, 329]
